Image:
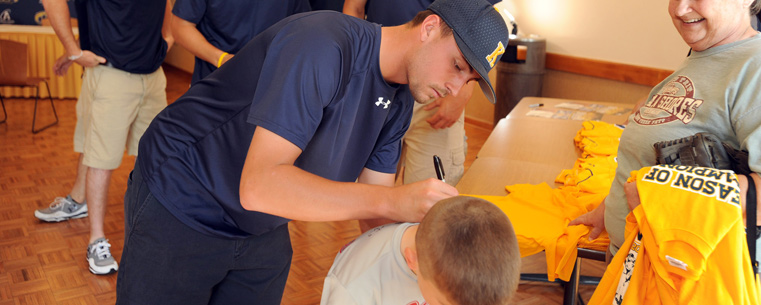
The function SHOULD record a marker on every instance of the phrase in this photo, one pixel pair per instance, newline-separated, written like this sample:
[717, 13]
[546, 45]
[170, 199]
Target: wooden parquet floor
[44, 263]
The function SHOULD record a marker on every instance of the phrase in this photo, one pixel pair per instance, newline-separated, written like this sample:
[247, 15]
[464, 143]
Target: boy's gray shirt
[372, 270]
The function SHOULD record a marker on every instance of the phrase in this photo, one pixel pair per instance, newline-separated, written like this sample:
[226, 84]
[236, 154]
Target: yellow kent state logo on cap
[492, 58]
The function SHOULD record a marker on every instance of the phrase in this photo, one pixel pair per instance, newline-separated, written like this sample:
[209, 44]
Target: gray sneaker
[99, 257]
[62, 209]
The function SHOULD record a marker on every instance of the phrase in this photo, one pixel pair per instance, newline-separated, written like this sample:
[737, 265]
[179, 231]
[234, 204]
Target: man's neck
[396, 41]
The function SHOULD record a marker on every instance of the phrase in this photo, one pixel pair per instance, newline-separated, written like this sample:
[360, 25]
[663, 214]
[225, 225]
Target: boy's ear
[410, 255]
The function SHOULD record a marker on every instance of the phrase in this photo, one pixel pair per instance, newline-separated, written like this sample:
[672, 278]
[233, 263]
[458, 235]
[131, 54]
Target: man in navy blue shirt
[122, 44]
[303, 123]
[437, 128]
[214, 30]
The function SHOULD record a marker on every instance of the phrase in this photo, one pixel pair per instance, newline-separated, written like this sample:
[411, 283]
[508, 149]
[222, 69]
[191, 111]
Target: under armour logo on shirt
[381, 102]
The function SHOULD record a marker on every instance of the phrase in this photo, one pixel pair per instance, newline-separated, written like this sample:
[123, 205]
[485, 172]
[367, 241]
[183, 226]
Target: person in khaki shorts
[122, 45]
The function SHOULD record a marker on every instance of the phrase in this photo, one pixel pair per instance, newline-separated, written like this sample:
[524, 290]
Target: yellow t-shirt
[590, 175]
[692, 248]
[540, 217]
[598, 146]
[598, 129]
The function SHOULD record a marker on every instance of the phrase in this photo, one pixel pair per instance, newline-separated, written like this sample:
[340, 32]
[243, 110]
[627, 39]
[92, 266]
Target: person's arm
[187, 35]
[369, 176]
[166, 26]
[60, 19]
[271, 184]
[450, 107]
[355, 8]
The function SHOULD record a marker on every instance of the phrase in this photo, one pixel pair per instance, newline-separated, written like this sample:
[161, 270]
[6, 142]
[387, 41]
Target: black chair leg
[36, 100]
[5, 114]
[571, 289]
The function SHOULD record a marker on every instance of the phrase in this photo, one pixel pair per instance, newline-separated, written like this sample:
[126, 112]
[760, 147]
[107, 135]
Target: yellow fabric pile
[540, 214]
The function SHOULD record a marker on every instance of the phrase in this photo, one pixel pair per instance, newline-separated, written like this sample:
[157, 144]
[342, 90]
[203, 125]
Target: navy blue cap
[480, 33]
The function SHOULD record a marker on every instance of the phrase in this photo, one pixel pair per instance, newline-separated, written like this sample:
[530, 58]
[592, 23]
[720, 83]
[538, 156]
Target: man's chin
[425, 102]
[423, 99]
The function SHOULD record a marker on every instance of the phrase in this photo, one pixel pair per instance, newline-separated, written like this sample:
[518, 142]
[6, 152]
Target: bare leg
[97, 194]
[78, 190]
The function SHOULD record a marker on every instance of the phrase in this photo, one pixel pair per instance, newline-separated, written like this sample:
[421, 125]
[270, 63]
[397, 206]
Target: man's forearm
[60, 19]
[166, 26]
[293, 193]
[186, 35]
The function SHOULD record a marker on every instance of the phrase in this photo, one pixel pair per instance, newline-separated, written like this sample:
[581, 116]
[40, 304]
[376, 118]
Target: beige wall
[560, 84]
[629, 32]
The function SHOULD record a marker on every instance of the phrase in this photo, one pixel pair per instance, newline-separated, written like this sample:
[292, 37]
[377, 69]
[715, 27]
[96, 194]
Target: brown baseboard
[479, 123]
[608, 70]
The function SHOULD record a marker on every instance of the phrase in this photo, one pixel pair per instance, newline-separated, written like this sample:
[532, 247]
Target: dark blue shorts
[166, 262]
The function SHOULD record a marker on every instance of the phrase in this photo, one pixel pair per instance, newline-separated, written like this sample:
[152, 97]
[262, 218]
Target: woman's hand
[594, 218]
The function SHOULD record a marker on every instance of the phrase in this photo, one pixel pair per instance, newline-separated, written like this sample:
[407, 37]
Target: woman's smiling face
[708, 23]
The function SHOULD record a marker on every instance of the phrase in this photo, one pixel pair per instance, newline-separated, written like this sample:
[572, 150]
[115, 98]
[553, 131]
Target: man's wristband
[75, 57]
[219, 61]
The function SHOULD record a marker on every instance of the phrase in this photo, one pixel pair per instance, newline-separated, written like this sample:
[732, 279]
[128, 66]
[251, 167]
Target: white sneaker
[62, 209]
[99, 257]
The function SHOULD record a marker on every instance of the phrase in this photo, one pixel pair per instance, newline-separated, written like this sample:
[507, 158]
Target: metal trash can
[520, 72]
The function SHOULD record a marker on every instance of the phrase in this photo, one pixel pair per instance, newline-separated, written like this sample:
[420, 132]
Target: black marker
[439, 168]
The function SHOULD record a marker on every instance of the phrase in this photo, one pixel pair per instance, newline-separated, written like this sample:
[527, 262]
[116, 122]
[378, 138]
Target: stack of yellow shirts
[595, 170]
[598, 138]
[540, 214]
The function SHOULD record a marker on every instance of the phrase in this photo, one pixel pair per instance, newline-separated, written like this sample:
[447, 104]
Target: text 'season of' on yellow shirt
[686, 242]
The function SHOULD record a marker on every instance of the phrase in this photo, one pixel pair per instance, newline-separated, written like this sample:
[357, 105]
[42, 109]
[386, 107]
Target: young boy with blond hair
[463, 252]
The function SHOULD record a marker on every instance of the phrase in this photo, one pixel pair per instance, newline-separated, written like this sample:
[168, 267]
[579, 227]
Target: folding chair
[14, 72]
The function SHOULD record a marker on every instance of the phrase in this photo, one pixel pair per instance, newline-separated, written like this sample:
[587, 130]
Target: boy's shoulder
[373, 261]
[377, 240]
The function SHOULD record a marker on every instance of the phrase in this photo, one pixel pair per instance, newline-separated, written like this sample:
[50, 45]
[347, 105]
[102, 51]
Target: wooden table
[524, 148]
[528, 149]
[44, 48]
